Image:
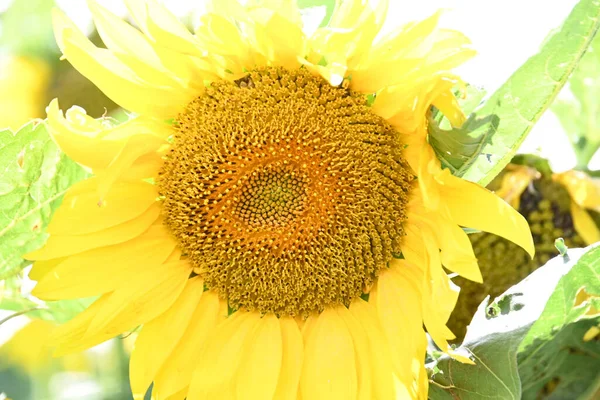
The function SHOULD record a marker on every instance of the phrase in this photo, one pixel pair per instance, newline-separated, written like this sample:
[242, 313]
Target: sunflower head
[281, 178]
[291, 215]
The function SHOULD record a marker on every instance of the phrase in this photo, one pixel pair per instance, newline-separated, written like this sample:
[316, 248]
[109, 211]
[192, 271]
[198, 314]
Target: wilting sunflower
[564, 205]
[273, 216]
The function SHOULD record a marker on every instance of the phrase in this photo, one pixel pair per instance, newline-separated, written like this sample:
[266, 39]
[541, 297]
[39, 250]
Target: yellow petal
[584, 190]
[447, 103]
[64, 336]
[291, 364]
[41, 268]
[398, 302]
[281, 49]
[456, 250]
[381, 363]
[114, 78]
[166, 29]
[176, 372]
[83, 210]
[141, 300]
[591, 333]
[135, 148]
[131, 47]
[361, 350]
[158, 338]
[221, 357]
[66, 245]
[514, 182]
[584, 224]
[351, 31]
[472, 206]
[259, 371]
[102, 270]
[329, 369]
[122, 311]
[76, 136]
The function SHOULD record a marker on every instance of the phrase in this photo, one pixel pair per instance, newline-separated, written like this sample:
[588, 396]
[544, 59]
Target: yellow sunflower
[273, 216]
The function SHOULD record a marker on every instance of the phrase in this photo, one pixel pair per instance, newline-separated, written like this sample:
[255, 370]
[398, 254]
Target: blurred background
[31, 74]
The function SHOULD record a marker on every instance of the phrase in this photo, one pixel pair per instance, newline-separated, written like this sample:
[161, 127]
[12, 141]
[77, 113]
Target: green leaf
[580, 116]
[483, 146]
[553, 350]
[34, 176]
[495, 336]
[314, 5]
[563, 367]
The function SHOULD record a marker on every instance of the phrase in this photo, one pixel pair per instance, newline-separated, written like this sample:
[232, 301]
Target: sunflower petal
[114, 78]
[291, 364]
[158, 338]
[67, 245]
[381, 362]
[122, 203]
[176, 373]
[361, 349]
[329, 369]
[395, 299]
[106, 268]
[584, 190]
[222, 355]
[142, 301]
[584, 224]
[261, 365]
[473, 206]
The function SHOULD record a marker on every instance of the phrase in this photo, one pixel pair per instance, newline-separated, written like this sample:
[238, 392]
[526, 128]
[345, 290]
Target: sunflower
[565, 205]
[273, 216]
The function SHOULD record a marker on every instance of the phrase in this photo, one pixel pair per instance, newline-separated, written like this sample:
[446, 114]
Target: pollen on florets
[287, 194]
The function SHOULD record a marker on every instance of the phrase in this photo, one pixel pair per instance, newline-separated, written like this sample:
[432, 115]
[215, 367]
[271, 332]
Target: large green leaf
[563, 366]
[553, 352]
[580, 115]
[531, 313]
[34, 176]
[483, 146]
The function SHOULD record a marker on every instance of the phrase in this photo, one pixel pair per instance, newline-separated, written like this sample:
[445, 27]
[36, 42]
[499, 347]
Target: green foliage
[483, 146]
[35, 175]
[528, 343]
[36, 16]
[580, 116]
[561, 367]
[553, 349]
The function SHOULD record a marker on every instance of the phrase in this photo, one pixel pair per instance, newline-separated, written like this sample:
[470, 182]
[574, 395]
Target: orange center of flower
[287, 194]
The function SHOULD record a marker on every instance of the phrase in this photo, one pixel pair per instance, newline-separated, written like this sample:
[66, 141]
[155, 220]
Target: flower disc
[286, 193]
